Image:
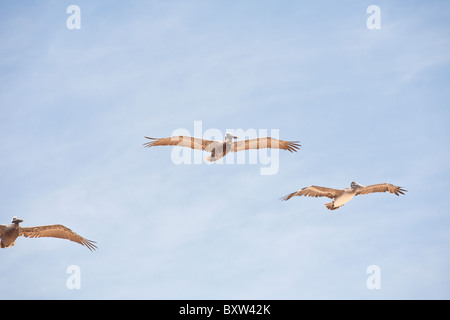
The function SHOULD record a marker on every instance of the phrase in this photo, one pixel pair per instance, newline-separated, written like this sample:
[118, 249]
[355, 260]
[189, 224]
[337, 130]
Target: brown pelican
[341, 197]
[9, 234]
[220, 149]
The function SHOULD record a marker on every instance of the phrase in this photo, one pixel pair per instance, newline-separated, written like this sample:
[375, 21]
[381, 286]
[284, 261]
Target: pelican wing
[181, 141]
[267, 142]
[315, 191]
[381, 187]
[56, 231]
[2, 227]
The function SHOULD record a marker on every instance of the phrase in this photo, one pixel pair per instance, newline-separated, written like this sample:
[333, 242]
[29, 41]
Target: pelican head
[356, 185]
[15, 220]
[230, 136]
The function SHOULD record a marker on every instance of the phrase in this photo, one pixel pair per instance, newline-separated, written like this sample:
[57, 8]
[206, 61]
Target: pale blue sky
[366, 105]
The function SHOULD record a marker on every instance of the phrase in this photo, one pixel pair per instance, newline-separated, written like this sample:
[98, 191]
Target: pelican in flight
[342, 196]
[9, 234]
[220, 149]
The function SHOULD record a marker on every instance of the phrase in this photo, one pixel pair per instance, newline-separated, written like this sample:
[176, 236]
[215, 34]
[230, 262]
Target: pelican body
[220, 149]
[10, 233]
[346, 195]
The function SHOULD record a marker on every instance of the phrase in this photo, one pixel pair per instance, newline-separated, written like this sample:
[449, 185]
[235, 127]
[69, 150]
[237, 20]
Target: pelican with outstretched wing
[9, 234]
[342, 196]
[220, 149]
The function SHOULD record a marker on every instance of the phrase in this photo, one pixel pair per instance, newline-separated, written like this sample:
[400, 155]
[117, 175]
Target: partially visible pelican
[342, 196]
[220, 149]
[9, 234]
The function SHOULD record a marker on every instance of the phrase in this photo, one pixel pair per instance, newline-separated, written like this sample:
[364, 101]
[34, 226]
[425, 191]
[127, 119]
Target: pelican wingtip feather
[293, 146]
[150, 143]
[400, 190]
[287, 197]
